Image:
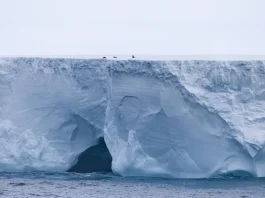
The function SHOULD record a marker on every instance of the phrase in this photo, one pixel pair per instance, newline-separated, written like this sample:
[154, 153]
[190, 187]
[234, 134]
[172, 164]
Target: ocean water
[43, 184]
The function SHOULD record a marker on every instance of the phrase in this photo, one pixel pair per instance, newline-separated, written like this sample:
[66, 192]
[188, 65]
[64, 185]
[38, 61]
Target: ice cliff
[181, 119]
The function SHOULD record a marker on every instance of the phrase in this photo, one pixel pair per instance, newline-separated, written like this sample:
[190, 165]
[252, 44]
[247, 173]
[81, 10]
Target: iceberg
[169, 118]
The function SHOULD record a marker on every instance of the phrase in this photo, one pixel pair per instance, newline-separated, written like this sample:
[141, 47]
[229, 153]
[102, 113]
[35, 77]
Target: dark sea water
[41, 184]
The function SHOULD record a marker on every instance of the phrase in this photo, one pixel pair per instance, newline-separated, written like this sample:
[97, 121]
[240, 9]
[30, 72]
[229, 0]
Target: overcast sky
[87, 27]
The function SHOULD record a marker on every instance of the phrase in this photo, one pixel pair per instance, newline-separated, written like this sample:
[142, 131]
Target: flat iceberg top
[152, 57]
[170, 118]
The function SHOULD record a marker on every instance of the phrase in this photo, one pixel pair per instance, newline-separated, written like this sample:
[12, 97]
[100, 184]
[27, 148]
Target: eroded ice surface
[183, 119]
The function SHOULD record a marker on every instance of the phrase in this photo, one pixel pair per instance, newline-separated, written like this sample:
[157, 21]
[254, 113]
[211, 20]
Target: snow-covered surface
[172, 118]
[150, 57]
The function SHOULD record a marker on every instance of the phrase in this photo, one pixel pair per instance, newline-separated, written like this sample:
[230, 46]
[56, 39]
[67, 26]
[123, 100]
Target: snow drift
[181, 119]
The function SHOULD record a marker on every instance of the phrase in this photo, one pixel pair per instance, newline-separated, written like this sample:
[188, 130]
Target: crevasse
[181, 119]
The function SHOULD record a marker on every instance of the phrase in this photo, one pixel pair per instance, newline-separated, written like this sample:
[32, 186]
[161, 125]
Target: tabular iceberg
[180, 119]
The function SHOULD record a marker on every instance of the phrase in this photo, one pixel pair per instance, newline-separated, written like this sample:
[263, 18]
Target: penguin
[133, 56]
[114, 56]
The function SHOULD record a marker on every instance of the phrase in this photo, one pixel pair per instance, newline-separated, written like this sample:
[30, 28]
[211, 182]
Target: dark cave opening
[94, 159]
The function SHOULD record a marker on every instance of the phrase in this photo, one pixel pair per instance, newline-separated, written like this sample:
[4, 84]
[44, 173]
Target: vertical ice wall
[51, 110]
[159, 118]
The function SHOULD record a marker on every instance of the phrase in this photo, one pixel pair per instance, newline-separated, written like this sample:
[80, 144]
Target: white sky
[87, 27]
